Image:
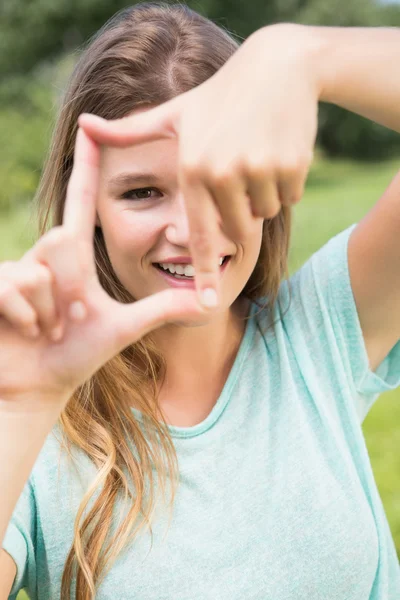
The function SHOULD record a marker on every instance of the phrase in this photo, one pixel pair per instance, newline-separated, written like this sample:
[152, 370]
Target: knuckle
[223, 174]
[292, 166]
[6, 290]
[43, 276]
[258, 167]
[288, 167]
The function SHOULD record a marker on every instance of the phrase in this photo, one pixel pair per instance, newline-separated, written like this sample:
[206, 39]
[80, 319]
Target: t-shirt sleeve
[327, 271]
[19, 542]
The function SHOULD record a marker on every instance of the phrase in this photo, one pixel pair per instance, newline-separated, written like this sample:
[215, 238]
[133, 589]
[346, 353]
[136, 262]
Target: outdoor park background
[355, 159]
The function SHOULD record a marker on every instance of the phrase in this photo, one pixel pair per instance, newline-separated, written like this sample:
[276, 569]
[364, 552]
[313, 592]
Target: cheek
[252, 250]
[254, 239]
[131, 235]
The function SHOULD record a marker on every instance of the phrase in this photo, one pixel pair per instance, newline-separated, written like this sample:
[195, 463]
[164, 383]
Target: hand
[246, 139]
[39, 289]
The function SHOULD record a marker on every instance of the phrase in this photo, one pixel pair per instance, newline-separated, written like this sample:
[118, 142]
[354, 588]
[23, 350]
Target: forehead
[155, 155]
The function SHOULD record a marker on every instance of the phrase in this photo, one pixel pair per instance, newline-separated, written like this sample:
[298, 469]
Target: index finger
[144, 126]
[203, 226]
[80, 204]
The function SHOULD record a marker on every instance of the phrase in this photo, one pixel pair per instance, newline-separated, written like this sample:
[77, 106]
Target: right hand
[40, 287]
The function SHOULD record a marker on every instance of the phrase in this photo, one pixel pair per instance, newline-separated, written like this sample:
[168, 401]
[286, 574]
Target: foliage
[41, 32]
[32, 31]
[26, 119]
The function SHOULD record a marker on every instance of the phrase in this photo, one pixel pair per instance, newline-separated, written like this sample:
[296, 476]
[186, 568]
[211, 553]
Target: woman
[254, 405]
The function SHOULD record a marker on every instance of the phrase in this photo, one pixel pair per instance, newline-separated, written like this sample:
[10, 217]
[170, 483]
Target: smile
[180, 280]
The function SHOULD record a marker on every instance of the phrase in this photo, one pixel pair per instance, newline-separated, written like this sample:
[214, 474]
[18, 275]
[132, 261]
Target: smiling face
[146, 226]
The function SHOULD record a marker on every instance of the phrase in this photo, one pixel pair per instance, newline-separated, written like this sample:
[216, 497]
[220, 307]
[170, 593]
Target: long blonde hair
[144, 55]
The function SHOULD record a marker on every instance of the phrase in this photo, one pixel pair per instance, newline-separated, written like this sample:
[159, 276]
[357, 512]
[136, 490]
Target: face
[144, 222]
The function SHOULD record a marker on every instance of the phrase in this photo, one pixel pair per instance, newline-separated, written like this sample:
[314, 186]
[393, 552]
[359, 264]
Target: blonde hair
[143, 56]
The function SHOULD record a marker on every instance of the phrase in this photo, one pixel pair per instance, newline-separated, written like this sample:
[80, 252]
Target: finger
[130, 322]
[17, 310]
[233, 206]
[264, 197]
[35, 283]
[68, 262]
[203, 220]
[146, 126]
[41, 297]
[291, 186]
[80, 206]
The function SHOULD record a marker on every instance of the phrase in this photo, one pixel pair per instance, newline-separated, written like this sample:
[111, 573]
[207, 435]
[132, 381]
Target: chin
[200, 321]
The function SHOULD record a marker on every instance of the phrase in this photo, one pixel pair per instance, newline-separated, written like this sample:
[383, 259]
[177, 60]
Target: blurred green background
[355, 159]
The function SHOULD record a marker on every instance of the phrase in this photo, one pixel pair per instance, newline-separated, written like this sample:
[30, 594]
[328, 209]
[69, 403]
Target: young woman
[253, 406]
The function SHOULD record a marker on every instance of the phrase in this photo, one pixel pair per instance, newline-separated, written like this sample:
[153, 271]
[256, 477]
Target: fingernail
[209, 297]
[77, 311]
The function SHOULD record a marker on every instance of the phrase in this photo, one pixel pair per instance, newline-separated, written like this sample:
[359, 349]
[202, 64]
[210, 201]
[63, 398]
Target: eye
[128, 195]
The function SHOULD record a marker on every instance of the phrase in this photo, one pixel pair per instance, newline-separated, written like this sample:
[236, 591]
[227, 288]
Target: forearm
[22, 435]
[359, 69]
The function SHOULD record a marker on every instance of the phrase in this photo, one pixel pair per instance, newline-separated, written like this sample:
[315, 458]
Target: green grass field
[338, 193]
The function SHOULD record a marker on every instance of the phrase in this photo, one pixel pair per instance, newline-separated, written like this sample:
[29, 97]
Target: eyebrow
[128, 179]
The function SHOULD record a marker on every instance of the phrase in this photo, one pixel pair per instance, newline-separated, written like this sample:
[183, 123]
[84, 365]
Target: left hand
[246, 133]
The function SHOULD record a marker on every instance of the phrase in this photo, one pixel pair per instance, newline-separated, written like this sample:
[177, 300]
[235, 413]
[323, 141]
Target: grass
[338, 193]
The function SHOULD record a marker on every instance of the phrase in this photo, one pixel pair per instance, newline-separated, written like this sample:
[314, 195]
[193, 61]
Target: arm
[22, 435]
[8, 571]
[358, 69]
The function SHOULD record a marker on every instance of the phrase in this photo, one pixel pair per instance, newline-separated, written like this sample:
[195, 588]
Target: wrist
[34, 405]
[303, 46]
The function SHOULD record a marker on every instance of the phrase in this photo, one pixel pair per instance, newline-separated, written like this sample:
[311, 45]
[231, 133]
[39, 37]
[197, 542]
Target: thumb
[133, 321]
[152, 124]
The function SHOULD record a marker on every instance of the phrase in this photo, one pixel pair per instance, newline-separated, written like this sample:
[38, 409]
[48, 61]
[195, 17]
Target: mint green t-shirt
[277, 498]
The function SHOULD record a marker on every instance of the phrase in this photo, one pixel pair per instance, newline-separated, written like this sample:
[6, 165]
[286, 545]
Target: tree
[37, 31]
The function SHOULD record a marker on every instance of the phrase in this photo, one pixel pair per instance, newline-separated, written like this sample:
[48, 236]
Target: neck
[199, 358]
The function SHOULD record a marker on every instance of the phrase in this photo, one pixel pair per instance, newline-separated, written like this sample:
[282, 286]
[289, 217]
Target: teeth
[187, 270]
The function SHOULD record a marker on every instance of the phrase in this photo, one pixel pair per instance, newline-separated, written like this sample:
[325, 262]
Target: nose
[177, 231]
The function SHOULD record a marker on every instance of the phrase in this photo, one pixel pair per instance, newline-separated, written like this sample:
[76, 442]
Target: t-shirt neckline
[226, 393]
